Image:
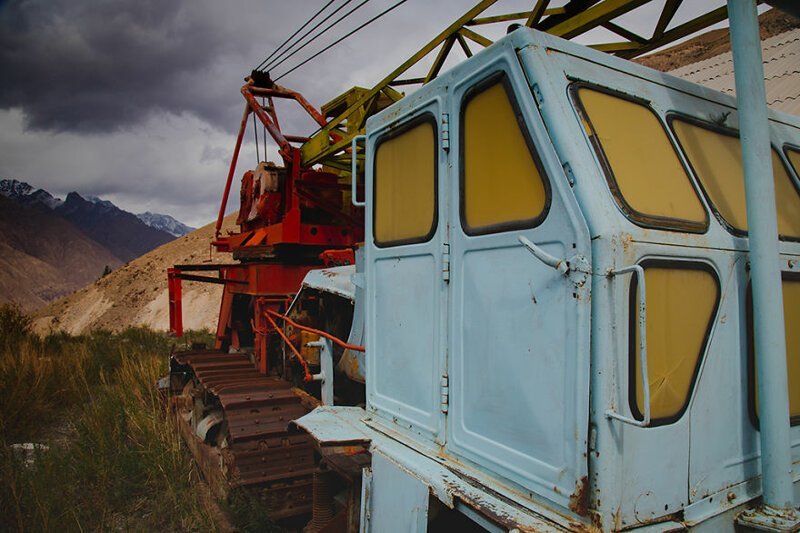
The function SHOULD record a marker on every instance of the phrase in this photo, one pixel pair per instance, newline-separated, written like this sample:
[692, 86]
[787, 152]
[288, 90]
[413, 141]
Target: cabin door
[518, 363]
[406, 228]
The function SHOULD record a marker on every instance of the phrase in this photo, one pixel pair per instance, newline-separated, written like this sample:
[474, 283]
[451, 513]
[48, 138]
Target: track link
[258, 451]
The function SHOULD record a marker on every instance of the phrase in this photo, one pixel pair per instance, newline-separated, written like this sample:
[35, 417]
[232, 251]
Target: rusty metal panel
[398, 501]
[335, 280]
[451, 483]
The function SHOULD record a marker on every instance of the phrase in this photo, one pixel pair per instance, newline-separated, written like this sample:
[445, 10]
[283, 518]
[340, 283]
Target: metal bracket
[446, 262]
[326, 368]
[445, 392]
[354, 170]
[766, 518]
[638, 271]
[446, 131]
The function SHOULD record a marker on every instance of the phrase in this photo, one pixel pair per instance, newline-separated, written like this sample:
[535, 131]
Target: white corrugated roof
[781, 71]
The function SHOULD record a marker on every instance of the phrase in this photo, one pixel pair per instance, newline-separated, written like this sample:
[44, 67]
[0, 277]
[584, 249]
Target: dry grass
[114, 460]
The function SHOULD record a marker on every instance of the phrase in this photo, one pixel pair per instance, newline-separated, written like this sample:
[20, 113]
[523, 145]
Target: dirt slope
[710, 44]
[136, 293]
[44, 257]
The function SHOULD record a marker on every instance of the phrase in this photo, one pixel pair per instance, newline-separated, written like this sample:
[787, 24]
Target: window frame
[502, 77]
[640, 219]
[633, 317]
[751, 354]
[789, 147]
[394, 132]
[730, 132]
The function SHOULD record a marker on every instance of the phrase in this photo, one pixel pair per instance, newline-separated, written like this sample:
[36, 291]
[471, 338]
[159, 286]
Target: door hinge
[446, 262]
[568, 172]
[446, 131]
[445, 389]
[537, 94]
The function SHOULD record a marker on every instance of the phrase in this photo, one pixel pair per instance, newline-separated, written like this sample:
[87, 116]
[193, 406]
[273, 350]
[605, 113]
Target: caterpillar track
[236, 422]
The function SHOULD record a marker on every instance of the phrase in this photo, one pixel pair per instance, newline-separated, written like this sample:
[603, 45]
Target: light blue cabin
[517, 207]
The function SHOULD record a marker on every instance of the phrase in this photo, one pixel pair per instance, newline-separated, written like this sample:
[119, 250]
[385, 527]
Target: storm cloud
[100, 66]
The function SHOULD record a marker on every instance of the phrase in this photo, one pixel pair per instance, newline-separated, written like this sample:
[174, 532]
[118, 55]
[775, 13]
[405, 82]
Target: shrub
[122, 466]
[14, 325]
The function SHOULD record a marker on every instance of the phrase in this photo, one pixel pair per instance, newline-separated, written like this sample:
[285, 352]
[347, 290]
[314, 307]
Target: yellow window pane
[405, 170]
[787, 199]
[502, 183]
[717, 161]
[794, 159]
[791, 317]
[680, 305]
[646, 169]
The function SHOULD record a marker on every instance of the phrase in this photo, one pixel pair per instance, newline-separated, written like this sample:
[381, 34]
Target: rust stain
[597, 520]
[579, 500]
[627, 240]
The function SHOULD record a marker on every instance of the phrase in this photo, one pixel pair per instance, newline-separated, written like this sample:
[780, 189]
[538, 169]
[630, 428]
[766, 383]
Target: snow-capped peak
[24, 193]
[15, 189]
[165, 223]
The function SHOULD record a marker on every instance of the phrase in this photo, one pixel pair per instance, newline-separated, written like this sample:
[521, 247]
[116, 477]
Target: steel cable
[283, 55]
[367, 23]
[295, 33]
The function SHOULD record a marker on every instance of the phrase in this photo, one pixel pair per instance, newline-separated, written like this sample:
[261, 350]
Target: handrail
[638, 271]
[354, 172]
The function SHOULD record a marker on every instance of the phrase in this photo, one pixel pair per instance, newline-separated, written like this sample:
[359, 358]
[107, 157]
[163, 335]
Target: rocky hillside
[136, 293]
[710, 44]
[121, 232]
[44, 257]
[50, 247]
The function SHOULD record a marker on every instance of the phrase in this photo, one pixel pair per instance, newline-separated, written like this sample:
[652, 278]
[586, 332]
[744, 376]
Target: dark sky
[138, 102]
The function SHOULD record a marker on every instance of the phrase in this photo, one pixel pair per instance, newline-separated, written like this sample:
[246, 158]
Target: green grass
[114, 459]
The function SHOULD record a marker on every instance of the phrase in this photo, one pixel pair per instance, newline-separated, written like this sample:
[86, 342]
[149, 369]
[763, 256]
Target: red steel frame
[175, 302]
[270, 282]
[289, 229]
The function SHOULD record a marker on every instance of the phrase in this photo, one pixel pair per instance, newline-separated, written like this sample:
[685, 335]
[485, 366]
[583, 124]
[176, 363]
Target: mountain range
[50, 247]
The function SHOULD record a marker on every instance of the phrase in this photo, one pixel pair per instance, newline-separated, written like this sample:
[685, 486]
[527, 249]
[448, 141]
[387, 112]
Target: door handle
[559, 264]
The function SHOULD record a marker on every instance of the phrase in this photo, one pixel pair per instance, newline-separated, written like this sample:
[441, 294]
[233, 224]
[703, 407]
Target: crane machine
[518, 298]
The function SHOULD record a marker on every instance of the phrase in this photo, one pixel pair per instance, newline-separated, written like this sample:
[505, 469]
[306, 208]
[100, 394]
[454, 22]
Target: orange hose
[321, 333]
[308, 376]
